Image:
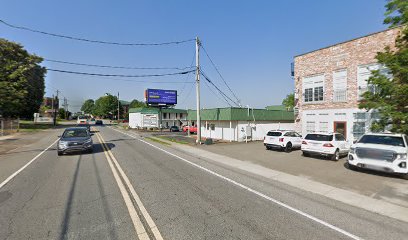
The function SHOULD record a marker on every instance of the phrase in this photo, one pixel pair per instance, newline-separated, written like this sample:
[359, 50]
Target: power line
[208, 86]
[120, 75]
[115, 67]
[90, 40]
[225, 82]
[225, 96]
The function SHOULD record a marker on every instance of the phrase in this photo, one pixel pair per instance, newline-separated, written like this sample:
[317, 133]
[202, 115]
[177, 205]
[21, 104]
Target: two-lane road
[130, 188]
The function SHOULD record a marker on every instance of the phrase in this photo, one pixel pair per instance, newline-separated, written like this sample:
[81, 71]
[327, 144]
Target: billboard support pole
[198, 90]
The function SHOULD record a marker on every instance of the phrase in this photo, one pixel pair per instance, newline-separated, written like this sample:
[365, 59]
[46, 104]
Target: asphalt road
[142, 189]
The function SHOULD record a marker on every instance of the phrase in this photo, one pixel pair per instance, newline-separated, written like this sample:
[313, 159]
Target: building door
[340, 127]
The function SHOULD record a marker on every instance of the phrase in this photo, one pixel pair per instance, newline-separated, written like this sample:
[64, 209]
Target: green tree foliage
[136, 104]
[61, 113]
[21, 81]
[390, 95]
[107, 106]
[289, 101]
[88, 106]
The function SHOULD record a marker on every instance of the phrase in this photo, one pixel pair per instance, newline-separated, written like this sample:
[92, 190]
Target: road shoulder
[345, 196]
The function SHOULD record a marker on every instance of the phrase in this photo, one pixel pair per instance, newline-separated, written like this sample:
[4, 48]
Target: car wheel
[305, 154]
[59, 153]
[288, 147]
[268, 148]
[336, 155]
[405, 176]
[90, 150]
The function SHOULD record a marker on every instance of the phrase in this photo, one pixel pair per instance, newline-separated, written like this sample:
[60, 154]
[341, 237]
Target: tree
[107, 106]
[137, 104]
[62, 113]
[21, 81]
[390, 94]
[289, 101]
[88, 106]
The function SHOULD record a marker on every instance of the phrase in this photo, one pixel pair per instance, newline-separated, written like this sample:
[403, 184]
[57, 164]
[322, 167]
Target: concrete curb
[341, 195]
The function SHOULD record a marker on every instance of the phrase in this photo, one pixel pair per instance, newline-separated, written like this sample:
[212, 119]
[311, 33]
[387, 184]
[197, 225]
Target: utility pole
[198, 90]
[55, 109]
[118, 109]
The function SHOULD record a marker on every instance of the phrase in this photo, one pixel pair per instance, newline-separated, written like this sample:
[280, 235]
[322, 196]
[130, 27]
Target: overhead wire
[225, 96]
[91, 40]
[219, 73]
[222, 99]
[119, 75]
[115, 67]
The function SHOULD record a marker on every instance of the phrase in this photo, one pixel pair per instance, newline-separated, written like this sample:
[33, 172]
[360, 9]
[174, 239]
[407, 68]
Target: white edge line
[26, 165]
[337, 229]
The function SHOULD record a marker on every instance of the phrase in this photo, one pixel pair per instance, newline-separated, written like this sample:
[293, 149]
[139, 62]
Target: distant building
[154, 117]
[329, 83]
[125, 106]
[236, 124]
[46, 108]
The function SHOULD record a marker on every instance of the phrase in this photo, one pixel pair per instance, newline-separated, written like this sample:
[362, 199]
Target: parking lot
[377, 185]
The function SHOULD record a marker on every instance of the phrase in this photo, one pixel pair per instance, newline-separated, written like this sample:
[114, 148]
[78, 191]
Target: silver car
[75, 139]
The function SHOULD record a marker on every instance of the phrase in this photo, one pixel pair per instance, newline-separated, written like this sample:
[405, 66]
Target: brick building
[329, 83]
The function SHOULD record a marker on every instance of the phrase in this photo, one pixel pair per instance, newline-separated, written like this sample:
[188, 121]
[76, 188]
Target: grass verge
[28, 126]
[158, 141]
[172, 140]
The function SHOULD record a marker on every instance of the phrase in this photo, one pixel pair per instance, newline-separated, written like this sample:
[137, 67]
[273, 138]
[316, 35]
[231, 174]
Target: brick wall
[348, 55]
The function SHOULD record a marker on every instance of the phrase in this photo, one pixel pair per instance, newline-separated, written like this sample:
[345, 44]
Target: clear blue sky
[252, 42]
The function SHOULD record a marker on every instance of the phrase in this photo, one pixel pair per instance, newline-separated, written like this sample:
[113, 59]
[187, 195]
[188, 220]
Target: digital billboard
[161, 97]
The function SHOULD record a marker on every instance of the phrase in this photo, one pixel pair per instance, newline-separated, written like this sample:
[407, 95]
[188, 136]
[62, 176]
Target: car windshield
[274, 134]
[75, 133]
[319, 137]
[384, 140]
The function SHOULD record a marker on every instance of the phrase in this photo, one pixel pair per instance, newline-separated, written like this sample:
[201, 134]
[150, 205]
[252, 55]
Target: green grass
[173, 140]
[29, 126]
[158, 141]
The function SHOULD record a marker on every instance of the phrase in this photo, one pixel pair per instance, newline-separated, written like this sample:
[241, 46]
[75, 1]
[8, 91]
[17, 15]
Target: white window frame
[340, 92]
[308, 126]
[313, 82]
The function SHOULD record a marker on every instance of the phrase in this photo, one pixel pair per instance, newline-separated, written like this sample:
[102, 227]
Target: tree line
[21, 81]
[107, 106]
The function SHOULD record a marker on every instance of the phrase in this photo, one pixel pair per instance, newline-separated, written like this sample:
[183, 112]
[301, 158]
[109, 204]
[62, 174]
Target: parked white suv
[382, 152]
[284, 140]
[333, 145]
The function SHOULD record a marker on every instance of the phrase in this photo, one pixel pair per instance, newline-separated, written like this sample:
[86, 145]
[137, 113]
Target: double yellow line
[129, 193]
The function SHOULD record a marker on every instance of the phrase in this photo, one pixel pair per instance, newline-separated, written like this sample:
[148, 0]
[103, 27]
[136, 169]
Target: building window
[310, 127]
[309, 95]
[340, 86]
[324, 126]
[364, 73]
[212, 126]
[358, 129]
[181, 116]
[164, 115]
[313, 88]
[318, 93]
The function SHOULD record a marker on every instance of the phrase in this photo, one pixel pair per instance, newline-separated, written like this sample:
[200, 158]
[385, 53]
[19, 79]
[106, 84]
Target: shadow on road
[67, 212]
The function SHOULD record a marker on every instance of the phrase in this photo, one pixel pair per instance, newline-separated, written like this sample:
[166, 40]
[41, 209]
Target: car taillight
[328, 145]
[304, 142]
[281, 139]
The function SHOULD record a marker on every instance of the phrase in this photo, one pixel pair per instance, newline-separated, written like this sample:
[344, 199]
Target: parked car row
[375, 151]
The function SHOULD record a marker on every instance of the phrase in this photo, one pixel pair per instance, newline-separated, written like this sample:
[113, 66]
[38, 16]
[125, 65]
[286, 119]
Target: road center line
[137, 223]
[315, 219]
[26, 165]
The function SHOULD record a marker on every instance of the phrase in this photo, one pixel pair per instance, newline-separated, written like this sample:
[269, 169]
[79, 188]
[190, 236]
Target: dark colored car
[98, 122]
[75, 139]
[174, 129]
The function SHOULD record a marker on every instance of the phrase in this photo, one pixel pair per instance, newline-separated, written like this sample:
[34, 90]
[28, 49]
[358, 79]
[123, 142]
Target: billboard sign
[161, 97]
